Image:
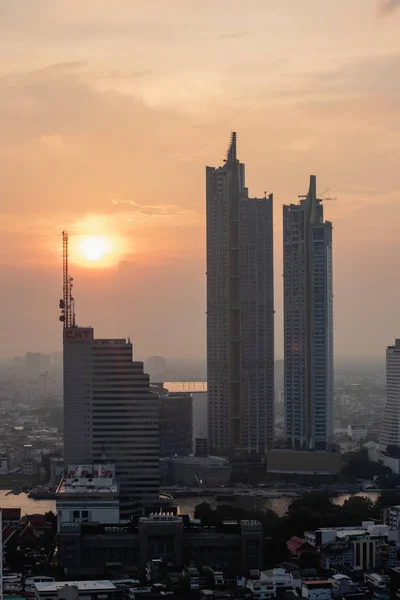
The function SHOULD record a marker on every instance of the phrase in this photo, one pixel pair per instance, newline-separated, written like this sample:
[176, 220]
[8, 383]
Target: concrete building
[240, 313]
[308, 324]
[76, 590]
[109, 412]
[391, 416]
[86, 548]
[88, 493]
[176, 421]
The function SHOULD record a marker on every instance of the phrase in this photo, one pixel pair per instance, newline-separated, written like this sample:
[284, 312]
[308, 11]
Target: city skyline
[91, 113]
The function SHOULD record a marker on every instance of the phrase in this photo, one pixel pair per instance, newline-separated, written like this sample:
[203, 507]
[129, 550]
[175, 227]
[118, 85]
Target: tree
[312, 500]
[205, 513]
[356, 509]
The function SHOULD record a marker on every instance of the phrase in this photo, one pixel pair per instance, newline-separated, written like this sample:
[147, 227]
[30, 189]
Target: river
[186, 505]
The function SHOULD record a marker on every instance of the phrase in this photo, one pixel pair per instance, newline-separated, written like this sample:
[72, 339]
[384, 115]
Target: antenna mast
[67, 302]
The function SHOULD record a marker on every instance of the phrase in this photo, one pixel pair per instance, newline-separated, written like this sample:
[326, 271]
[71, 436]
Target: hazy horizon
[110, 113]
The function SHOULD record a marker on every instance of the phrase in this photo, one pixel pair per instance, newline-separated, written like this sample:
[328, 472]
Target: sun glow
[93, 248]
[96, 250]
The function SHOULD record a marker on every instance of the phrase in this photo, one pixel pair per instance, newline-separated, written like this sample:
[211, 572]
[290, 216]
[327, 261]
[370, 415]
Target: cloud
[151, 211]
[388, 6]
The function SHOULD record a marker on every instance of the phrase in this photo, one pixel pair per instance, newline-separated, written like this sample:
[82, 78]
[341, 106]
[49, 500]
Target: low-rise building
[88, 493]
[86, 548]
[75, 590]
[317, 589]
[261, 589]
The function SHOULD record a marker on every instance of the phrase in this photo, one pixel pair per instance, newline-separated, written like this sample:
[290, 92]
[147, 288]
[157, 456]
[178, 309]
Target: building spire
[231, 156]
[312, 198]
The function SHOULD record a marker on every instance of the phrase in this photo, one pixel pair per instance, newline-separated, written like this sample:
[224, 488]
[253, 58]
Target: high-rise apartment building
[390, 434]
[110, 412]
[240, 313]
[308, 327]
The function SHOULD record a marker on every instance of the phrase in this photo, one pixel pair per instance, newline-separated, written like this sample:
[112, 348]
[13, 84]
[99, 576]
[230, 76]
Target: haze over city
[109, 113]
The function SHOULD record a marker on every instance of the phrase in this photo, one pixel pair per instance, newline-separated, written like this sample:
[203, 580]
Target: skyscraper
[390, 434]
[110, 412]
[308, 328]
[240, 312]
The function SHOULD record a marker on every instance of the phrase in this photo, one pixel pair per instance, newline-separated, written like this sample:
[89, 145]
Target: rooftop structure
[88, 493]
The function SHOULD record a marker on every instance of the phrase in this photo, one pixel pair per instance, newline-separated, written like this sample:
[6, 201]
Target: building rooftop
[186, 386]
[89, 479]
[94, 586]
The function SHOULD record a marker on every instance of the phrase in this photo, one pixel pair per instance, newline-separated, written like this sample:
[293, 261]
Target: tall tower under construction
[109, 410]
[308, 323]
[240, 313]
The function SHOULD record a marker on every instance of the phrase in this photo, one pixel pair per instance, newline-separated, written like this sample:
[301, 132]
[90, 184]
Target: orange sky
[109, 112]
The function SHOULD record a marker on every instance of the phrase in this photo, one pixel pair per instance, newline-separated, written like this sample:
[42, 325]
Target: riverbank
[186, 505]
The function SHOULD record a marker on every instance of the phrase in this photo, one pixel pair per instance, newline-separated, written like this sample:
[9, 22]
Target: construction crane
[67, 302]
[321, 197]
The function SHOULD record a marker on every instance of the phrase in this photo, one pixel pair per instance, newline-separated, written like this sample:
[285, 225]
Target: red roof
[297, 546]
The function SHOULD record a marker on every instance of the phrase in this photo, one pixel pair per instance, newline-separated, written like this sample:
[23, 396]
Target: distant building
[240, 313]
[109, 411]
[391, 416]
[36, 363]
[194, 471]
[198, 390]
[308, 324]
[297, 462]
[201, 447]
[357, 432]
[176, 421]
[157, 368]
[88, 493]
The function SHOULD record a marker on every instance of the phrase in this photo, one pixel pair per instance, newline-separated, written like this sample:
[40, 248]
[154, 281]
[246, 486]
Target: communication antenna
[67, 302]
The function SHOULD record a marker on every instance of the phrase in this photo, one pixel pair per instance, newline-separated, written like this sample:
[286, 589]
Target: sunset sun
[94, 248]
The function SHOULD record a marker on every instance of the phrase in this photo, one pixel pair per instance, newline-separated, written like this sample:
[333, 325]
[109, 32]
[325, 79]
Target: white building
[308, 323]
[391, 416]
[109, 411]
[261, 589]
[88, 493]
[240, 313]
[75, 590]
[281, 578]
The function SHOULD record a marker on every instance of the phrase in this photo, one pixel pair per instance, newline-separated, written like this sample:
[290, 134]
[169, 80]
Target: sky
[111, 109]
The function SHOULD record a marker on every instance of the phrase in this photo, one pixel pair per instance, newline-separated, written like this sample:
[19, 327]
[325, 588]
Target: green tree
[205, 513]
